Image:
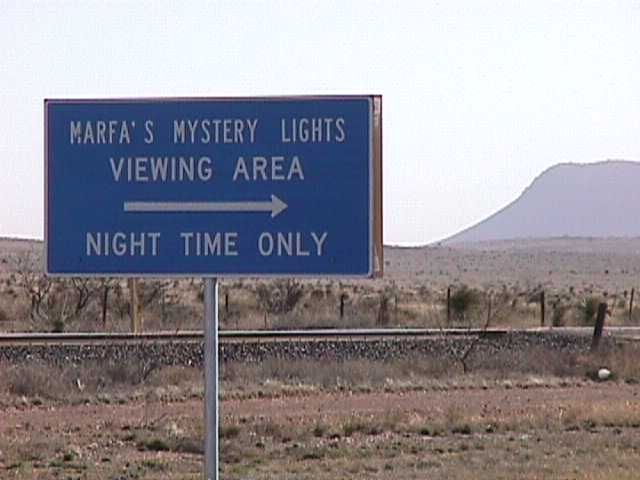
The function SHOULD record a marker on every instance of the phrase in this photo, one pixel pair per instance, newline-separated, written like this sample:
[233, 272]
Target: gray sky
[479, 97]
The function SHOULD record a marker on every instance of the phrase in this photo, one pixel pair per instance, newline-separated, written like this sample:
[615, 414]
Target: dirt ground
[529, 429]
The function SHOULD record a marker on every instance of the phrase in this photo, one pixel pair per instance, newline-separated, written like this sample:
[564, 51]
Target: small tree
[32, 281]
[85, 289]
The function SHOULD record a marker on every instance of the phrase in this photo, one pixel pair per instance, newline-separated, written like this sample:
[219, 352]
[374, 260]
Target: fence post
[448, 305]
[163, 304]
[383, 310]
[395, 308]
[633, 290]
[597, 331]
[105, 298]
[134, 307]
[542, 307]
[342, 305]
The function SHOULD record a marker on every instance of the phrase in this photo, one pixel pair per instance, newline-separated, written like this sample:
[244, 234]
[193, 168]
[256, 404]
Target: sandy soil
[275, 438]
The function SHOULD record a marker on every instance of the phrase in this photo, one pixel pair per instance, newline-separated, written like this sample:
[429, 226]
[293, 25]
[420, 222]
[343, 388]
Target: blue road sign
[210, 187]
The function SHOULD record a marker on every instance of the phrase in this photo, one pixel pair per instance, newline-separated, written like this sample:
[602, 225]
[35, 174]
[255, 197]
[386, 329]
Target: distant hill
[574, 200]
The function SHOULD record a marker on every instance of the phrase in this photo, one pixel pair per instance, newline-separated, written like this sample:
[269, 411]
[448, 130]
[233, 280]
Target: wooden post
[383, 310]
[139, 310]
[488, 310]
[448, 305]
[542, 307]
[134, 309]
[342, 296]
[163, 305]
[633, 290]
[597, 331]
[105, 297]
[226, 303]
[395, 308]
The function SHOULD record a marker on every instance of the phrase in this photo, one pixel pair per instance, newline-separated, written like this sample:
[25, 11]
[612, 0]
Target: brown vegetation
[502, 281]
[356, 419]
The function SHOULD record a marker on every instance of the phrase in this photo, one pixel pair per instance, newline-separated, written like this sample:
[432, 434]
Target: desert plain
[542, 413]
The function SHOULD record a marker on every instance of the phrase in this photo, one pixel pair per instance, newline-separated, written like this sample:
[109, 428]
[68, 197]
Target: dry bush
[279, 296]
[125, 373]
[335, 374]
[465, 303]
[456, 420]
[310, 320]
[271, 428]
[34, 380]
[534, 360]
[558, 314]
[587, 310]
[392, 421]
[622, 360]
[60, 383]
[176, 376]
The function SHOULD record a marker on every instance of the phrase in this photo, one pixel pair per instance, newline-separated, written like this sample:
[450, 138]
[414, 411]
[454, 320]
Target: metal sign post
[214, 187]
[211, 378]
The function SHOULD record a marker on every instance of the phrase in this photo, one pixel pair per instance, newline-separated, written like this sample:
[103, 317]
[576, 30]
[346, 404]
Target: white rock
[604, 374]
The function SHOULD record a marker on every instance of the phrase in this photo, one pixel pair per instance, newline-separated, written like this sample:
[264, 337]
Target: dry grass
[570, 271]
[104, 382]
[409, 303]
[34, 381]
[447, 440]
[281, 378]
[332, 375]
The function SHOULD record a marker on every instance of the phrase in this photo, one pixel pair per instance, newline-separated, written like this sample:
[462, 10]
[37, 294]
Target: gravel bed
[510, 346]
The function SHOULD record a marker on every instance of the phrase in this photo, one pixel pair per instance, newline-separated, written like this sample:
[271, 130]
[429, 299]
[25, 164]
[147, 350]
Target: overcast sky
[478, 97]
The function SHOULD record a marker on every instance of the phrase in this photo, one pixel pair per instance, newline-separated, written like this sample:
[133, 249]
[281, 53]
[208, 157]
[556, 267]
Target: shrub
[354, 425]
[127, 373]
[463, 301]
[33, 381]
[319, 430]
[558, 315]
[229, 431]
[588, 309]
[154, 444]
[280, 297]
[188, 445]
[57, 325]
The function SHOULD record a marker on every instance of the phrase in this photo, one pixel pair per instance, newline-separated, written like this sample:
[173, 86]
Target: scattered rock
[604, 374]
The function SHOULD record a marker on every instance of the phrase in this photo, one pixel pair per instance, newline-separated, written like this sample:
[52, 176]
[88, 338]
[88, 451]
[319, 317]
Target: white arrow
[275, 206]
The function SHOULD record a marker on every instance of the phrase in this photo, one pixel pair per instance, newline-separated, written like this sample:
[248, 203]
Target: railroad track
[230, 336]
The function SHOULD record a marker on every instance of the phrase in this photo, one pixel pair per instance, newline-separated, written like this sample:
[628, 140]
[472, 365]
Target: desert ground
[546, 415]
[404, 419]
